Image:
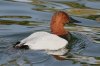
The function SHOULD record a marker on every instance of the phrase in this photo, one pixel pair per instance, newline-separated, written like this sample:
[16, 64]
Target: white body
[46, 41]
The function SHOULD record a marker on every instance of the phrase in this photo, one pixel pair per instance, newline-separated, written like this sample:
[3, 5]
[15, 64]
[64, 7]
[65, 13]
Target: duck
[53, 43]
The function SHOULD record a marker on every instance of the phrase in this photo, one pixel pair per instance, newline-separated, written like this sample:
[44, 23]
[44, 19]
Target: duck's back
[47, 41]
[34, 36]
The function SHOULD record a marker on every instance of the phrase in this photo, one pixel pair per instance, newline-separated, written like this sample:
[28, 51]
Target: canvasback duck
[53, 43]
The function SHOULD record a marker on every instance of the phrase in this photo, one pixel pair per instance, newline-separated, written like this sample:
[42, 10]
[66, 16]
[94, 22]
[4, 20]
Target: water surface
[20, 18]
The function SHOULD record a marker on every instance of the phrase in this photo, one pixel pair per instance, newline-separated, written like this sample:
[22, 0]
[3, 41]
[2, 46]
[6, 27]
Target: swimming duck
[53, 43]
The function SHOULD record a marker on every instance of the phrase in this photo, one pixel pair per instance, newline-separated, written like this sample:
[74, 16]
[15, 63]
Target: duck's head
[59, 19]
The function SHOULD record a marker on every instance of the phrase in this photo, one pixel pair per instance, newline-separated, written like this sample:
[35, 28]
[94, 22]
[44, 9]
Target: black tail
[16, 44]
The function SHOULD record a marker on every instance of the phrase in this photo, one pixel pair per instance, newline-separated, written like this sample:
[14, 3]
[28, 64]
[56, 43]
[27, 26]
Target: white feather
[34, 36]
[44, 41]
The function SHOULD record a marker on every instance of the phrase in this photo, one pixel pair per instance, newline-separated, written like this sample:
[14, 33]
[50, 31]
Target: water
[37, 14]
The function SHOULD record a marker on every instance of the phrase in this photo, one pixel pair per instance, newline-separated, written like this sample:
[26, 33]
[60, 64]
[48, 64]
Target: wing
[47, 42]
[34, 36]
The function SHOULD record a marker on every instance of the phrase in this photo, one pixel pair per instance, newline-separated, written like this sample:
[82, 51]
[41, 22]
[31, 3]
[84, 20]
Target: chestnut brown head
[60, 17]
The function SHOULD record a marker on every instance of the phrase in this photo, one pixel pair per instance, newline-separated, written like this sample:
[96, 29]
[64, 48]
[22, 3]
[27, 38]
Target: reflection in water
[83, 44]
[85, 49]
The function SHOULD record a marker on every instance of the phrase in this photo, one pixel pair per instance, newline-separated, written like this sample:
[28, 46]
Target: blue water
[86, 31]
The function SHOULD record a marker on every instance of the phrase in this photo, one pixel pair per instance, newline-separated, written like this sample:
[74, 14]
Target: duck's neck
[58, 29]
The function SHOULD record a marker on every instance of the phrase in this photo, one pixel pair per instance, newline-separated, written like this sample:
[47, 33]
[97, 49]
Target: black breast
[70, 38]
